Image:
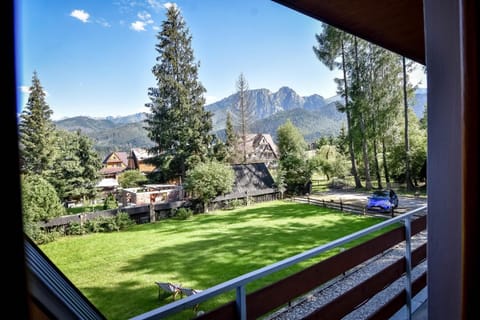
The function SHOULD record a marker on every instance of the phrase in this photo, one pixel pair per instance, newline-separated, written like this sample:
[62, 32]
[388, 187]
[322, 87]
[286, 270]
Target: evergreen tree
[230, 139]
[333, 44]
[243, 112]
[91, 164]
[36, 130]
[75, 170]
[178, 124]
[292, 146]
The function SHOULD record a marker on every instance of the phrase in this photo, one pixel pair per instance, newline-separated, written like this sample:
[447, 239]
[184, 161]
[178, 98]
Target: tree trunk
[408, 178]
[377, 166]
[368, 180]
[358, 183]
[385, 166]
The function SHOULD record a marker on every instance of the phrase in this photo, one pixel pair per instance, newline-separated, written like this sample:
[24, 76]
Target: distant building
[251, 180]
[137, 160]
[260, 148]
[114, 164]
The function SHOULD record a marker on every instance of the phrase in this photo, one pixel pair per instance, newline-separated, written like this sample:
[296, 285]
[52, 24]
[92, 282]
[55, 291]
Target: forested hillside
[313, 115]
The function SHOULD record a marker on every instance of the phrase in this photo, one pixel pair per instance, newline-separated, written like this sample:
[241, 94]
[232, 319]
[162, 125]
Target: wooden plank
[226, 311]
[398, 301]
[287, 289]
[281, 292]
[358, 295]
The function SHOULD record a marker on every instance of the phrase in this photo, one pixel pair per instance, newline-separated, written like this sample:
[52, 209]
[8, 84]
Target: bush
[110, 202]
[123, 220]
[235, 203]
[183, 214]
[75, 229]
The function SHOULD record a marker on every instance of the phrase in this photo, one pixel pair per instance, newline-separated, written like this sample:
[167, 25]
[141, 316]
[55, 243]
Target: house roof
[251, 179]
[253, 139]
[141, 154]
[121, 155]
[394, 25]
[112, 170]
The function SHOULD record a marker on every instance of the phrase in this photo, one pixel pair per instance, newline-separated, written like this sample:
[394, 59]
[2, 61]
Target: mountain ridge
[314, 115]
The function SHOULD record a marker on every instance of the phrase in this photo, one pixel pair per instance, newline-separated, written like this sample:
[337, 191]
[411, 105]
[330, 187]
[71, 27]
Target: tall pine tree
[37, 132]
[177, 123]
[243, 113]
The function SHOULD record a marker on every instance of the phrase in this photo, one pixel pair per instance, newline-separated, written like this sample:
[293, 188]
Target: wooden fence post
[341, 205]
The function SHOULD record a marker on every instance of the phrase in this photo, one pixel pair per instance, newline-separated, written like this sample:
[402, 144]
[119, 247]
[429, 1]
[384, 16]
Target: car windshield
[381, 194]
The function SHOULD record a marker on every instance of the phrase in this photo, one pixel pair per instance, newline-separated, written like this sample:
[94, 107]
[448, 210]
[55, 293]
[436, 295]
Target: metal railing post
[241, 303]
[408, 260]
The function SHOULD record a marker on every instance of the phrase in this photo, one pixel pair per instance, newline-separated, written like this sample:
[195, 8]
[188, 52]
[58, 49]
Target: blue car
[382, 200]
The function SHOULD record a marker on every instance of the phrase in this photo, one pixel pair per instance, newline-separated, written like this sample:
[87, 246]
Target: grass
[117, 271]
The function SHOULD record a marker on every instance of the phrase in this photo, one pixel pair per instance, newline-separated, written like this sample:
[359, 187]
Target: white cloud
[138, 26]
[168, 5]
[80, 15]
[154, 4]
[25, 89]
[145, 16]
[103, 23]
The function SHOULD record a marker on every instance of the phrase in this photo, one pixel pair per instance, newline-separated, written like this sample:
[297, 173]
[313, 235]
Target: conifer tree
[76, 168]
[230, 139]
[177, 123]
[37, 132]
[243, 112]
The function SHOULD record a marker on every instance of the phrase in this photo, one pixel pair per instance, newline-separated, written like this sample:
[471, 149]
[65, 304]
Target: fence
[140, 214]
[254, 196]
[340, 205]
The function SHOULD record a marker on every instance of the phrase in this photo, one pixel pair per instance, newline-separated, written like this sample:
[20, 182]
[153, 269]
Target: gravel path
[317, 298]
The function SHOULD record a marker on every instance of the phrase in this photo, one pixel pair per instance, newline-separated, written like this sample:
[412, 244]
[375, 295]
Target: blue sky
[94, 57]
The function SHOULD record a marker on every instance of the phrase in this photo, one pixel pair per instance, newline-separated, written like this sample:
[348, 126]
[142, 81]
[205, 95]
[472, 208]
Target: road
[405, 203]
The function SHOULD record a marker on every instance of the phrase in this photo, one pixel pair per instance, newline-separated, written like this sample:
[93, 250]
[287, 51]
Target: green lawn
[117, 271]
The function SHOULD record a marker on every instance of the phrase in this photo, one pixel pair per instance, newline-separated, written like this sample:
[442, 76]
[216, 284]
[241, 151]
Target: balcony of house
[382, 278]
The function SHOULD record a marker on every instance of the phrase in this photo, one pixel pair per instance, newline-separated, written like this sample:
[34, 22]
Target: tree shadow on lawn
[209, 258]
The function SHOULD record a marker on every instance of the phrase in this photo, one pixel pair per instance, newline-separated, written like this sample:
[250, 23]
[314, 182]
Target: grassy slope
[117, 271]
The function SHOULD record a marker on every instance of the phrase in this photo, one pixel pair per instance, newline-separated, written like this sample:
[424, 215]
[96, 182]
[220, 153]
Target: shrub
[110, 202]
[75, 228]
[123, 220]
[235, 203]
[183, 214]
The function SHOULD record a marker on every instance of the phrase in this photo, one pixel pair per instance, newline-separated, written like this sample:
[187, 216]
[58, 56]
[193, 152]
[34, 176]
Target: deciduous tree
[208, 180]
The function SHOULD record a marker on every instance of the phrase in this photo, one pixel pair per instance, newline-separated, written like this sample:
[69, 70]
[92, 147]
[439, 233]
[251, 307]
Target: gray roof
[251, 179]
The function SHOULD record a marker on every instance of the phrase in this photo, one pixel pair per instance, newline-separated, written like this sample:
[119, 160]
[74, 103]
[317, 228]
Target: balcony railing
[280, 293]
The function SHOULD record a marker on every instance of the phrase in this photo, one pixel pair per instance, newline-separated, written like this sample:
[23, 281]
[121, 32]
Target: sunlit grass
[117, 271]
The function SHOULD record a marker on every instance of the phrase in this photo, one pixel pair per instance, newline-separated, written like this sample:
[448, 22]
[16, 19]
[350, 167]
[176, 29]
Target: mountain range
[313, 115]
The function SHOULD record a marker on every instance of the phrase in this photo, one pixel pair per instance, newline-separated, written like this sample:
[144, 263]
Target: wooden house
[260, 148]
[137, 160]
[114, 164]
